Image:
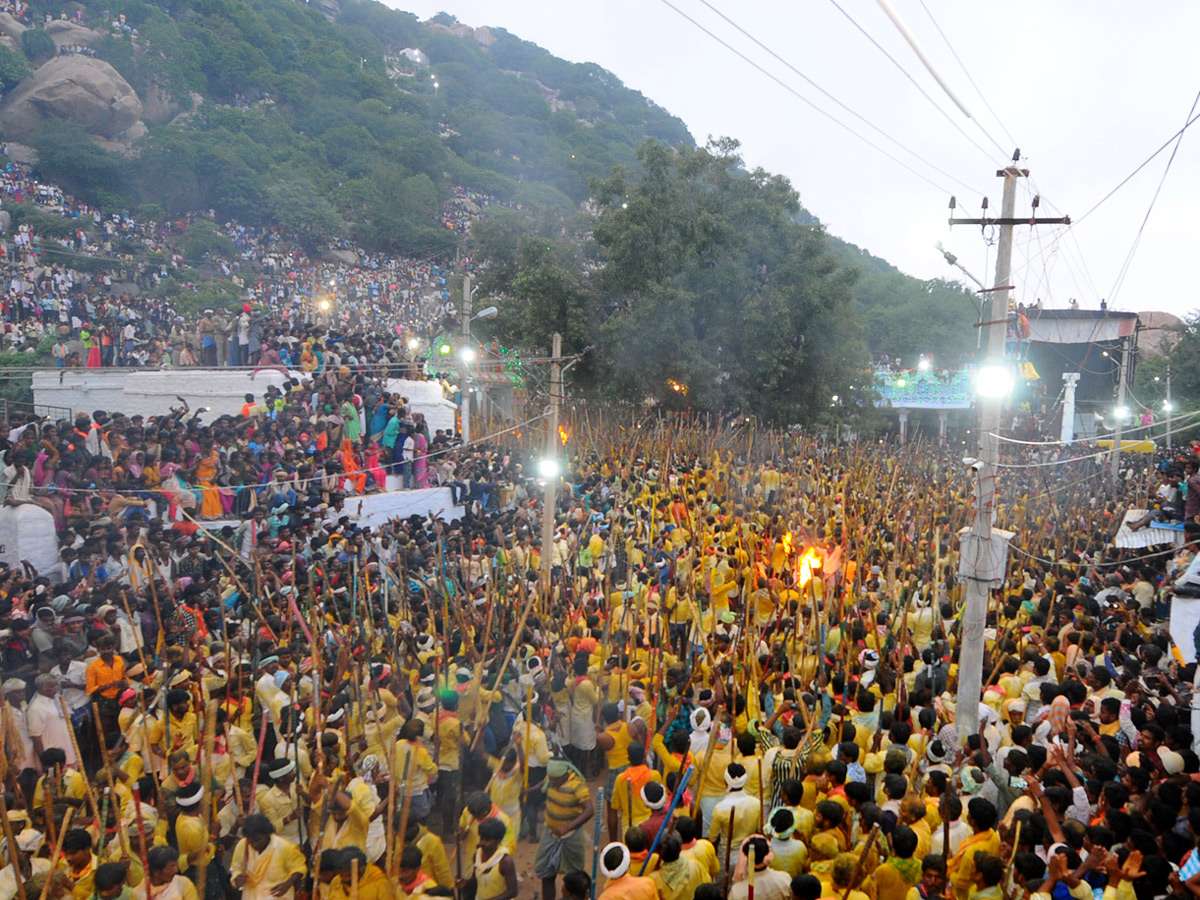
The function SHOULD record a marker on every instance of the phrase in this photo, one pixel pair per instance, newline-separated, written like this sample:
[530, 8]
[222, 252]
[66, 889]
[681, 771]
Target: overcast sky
[1088, 89]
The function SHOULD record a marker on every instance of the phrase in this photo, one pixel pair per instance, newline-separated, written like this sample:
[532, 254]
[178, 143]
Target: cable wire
[987, 153]
[831, 97]
[791, 90]
[962, 65]
[1117, 285]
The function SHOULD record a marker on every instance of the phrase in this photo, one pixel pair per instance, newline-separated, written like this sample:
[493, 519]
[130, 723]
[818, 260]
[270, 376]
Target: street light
[468, 355]
[413, 343]
[993, 381]
[548, 468]
[489, 312]
[324, 304]
[924, 365]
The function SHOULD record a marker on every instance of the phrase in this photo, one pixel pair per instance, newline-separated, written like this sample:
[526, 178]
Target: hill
[271, 112]
[355, 121]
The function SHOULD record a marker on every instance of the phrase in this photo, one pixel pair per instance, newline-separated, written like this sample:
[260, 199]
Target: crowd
[109, 318]
[731, 674]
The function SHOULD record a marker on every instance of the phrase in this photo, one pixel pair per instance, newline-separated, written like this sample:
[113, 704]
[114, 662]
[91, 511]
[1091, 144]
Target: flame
[810, 561]
[787, 544]
[562, 435]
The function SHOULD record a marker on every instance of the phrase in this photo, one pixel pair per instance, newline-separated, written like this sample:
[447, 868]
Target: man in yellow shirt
[981, 816]
[264, 865]
[357, 879]
[627, 792]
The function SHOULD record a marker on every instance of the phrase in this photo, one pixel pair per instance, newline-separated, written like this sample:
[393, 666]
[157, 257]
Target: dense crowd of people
[731, 672]
[118, 319]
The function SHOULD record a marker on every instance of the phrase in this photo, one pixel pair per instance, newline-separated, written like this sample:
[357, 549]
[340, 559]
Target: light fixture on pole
[994, 380]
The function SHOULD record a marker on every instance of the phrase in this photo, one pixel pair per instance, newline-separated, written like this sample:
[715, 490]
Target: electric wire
[791, 90]
[1141, 228]
[962, 65]
[830, 96]
[987, 153]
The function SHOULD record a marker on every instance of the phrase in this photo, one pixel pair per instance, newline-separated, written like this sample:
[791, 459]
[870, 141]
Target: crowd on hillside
[117, 320]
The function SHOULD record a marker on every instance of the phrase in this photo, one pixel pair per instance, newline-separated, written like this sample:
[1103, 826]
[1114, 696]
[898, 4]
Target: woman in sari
[353, 477]
[420, 460]
[208, 467]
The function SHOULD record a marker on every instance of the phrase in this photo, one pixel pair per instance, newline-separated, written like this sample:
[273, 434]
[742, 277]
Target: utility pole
[462, 358]
[1114, 472]
[978, 548]
[1170, 408]
[551, 491]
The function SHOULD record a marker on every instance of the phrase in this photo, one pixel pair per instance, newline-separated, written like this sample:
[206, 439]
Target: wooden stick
[14, 855]
[54, 857]
[862, 860]
[91, 794]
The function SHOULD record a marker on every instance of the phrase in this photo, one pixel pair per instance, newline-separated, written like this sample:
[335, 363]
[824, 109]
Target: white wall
[150, 392]
[425, 397]
[27, 532]
[375, 510]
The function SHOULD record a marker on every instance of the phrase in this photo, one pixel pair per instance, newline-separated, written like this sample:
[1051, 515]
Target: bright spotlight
[413, 344]
[324, 304]
[1121, 413]
[924, 365]
[1168, 406]
[444, 349]
[993, 381]
[468, 355]
[548, 468]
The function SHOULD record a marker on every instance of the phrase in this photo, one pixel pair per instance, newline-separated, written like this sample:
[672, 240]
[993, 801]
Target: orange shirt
[99, 672]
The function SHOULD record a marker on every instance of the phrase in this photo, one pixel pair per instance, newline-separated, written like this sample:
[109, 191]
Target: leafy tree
[714, 288]
[202, 239]
[13, 68]
[296, 204]
[38, 45]
[67, 156]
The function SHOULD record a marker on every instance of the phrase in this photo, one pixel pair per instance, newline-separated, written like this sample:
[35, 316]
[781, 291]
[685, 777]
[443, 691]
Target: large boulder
[87, 90]
[11, 27]
[158, 107]
[70, 34]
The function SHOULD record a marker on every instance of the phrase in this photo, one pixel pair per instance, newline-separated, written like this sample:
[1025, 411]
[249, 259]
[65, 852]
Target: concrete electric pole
[464, 355]
[982, 553]
[551, 473]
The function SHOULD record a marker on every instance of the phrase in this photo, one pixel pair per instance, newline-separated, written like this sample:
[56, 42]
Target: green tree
[296, 204]
[38, 45]
[13, 68]
[719, 299]
[204, 238]
[68, 156]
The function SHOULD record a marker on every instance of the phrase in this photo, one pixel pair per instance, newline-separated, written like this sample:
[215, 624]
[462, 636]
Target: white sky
[1088, 88]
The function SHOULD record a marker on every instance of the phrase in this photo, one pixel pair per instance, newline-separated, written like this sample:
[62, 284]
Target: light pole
[467, 354]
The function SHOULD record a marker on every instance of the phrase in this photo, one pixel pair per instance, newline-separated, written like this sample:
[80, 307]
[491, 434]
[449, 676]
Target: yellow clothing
[350, 833]
[421, 767]
[469, 824]
[84, 880]
[679, 880]
[489, 879]
[628, 788]
[448, 739]
[434, 861]
[705, 853]
[182, 732]
[743, 811]
[192, 836]
[618, 756]
[373, 884]
[961, 866]
[265, 871]
[74, 787]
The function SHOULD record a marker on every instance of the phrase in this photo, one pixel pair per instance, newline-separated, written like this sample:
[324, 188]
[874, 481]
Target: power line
[1138, 238]
[832, 98]
[987, 153]
[1008, 134]
[791, 90]
[1146, 162]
